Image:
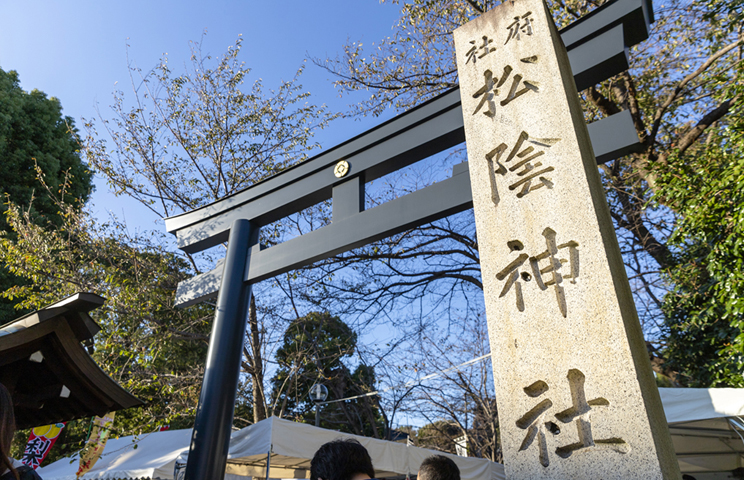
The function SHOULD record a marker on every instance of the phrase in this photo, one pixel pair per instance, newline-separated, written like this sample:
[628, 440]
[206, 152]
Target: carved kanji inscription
[522, 166]
[479, 49]
[491, 89]
[547, 268]
[521, 25]
[544, 429]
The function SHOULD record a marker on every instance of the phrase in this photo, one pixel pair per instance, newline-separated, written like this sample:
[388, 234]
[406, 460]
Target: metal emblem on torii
[597, 49]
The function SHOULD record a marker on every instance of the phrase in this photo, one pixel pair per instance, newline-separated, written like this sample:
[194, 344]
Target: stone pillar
[576, 395]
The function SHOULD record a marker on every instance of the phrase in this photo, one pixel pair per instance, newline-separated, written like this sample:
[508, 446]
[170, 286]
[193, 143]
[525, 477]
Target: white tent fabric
[290, 444]
[706, 428]
[150, 455]
[691, 404]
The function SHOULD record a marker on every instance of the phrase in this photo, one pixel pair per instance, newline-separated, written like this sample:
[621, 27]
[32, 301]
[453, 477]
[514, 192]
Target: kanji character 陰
[523, 167]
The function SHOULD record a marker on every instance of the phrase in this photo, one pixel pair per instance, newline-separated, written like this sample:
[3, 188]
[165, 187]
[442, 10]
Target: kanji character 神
[512, 272]
[554, 267]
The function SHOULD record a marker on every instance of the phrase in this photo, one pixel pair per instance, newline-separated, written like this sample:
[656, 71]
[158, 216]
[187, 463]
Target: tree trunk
[257, 372]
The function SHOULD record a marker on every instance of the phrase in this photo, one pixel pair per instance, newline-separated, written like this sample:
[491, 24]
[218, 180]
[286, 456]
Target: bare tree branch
[683, 83]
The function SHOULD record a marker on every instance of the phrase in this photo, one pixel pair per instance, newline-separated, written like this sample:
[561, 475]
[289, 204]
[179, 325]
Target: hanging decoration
[40, 442]
[99, 433]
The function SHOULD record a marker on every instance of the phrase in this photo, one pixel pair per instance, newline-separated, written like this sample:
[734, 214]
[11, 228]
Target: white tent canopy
[150, 455]
[707, 433]
[290, 444]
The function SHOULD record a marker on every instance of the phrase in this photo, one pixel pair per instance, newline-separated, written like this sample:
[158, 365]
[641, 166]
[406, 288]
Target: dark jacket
[24, 473]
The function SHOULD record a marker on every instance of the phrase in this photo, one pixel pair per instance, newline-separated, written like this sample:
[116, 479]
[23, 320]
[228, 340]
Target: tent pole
[268, 464]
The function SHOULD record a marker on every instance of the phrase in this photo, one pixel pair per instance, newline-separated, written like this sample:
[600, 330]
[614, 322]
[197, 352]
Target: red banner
[40, 443]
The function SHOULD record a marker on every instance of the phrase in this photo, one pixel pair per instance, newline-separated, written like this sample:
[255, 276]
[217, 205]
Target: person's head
[438, 467]
[343, 459]
[7, 429]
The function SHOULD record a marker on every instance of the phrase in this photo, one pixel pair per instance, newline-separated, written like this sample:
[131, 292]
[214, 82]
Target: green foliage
[312, 352]
[151, 348]
[33, 132]
[439, 435]
[705, 310]
[179, 141]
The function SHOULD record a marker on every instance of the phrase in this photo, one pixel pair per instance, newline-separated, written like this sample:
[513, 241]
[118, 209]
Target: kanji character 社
[534, 422]
[579, 413]
[485, 49]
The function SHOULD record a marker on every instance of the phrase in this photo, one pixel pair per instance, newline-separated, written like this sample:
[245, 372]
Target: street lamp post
[318, 394]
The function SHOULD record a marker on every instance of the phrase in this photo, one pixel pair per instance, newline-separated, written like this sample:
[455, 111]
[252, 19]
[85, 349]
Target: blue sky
[77, 51]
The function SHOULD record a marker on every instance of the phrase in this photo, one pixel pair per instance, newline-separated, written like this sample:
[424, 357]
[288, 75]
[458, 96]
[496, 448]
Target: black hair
[341, 460]
[7, 429]
[438, 467]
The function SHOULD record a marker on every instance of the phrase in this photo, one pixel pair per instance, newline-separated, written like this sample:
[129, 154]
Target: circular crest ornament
[341, 169]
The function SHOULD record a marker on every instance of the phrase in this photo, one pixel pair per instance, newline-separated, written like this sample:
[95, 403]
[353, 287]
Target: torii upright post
[576, 395]
[210, 440]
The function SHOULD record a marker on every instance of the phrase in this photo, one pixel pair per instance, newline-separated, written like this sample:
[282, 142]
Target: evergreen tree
[313, 350]
[34, 134]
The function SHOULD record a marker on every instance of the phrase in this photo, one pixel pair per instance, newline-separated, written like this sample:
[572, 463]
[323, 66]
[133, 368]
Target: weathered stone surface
[576, 394]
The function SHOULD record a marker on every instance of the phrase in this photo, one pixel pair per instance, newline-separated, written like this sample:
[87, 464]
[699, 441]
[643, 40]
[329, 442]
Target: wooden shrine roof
[48, 371]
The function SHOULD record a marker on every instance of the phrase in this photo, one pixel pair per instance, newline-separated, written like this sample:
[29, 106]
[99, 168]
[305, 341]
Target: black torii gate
[597, 49]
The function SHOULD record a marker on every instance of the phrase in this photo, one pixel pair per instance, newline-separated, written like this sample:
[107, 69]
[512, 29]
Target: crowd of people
[347, 459]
